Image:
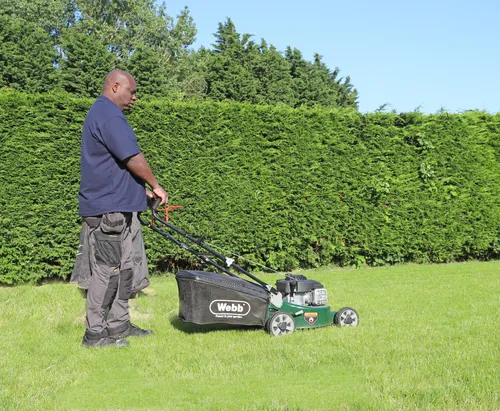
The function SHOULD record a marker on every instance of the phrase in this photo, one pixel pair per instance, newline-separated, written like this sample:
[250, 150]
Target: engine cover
[291, 285]
[299, 290]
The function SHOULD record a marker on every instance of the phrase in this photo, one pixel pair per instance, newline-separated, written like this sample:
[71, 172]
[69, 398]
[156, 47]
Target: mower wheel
[346, 317]
[280, 323]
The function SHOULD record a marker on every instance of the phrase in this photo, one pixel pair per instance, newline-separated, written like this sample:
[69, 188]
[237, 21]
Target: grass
[428, 339]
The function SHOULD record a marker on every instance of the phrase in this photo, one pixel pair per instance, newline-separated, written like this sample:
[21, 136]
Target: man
[112, 188]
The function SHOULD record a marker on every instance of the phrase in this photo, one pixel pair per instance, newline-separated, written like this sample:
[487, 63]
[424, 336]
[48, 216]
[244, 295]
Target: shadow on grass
[190, 328]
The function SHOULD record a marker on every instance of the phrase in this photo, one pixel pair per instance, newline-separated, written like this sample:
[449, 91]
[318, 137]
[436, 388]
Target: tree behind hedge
[27, 56]
[87, 61]
[239, 69]
[72, 44]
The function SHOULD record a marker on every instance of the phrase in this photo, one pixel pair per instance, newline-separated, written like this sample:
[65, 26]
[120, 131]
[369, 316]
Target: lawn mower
[215, 298]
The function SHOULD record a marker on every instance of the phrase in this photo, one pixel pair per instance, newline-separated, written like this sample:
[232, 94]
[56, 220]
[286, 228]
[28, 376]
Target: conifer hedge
[283, 187]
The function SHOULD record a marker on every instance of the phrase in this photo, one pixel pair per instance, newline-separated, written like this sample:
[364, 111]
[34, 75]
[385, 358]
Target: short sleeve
[119, 138]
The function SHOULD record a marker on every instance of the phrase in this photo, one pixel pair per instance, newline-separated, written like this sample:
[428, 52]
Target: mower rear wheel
[346, 317]
[280, 323]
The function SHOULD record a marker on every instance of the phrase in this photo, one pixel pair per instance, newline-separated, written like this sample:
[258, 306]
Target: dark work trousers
[110, 286]
[81, 273]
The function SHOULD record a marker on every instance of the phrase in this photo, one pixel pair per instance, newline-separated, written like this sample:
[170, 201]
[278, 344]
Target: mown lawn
[428, 339]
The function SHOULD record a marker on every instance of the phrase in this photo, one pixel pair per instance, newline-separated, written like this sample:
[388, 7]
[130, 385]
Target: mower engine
[297, 289]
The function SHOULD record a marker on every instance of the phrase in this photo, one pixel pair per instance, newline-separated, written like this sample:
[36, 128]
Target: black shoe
[131, 331]
[104, 342]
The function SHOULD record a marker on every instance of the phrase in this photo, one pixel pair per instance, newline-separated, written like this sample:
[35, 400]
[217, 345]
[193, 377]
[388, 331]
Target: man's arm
[139, 166]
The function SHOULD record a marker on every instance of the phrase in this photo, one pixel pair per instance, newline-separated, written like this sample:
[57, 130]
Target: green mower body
[305, 316]
[303, 303]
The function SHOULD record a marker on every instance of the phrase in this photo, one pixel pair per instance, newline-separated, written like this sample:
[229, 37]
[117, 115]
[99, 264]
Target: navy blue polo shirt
[106, 185]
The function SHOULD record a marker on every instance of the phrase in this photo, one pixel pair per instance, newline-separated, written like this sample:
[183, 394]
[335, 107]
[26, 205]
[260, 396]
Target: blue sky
[427, 54]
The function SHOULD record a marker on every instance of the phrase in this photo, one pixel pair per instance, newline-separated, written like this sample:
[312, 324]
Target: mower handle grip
[155, 203]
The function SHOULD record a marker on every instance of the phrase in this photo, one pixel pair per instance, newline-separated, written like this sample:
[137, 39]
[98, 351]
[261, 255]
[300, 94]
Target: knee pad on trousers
[110, 294]
[125, 288]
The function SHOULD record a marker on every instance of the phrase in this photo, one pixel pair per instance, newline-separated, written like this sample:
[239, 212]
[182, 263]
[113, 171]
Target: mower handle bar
[200, 243]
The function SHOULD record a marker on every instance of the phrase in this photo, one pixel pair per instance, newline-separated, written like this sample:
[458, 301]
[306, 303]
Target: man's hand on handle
[159, 192]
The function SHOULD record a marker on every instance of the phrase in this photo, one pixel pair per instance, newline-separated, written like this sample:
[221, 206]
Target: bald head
[116, 76]
[120, 88]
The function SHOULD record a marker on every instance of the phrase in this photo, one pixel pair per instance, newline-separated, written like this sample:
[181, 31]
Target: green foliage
[229, 76]
[279, 186]
[39, 158]
[274, 79]
[50, 15]
[240, 70]
[26, 56]
[86, 61]
[72, 45]
[314, 83]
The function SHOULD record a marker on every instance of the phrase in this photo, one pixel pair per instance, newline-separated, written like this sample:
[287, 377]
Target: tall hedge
[283, 187]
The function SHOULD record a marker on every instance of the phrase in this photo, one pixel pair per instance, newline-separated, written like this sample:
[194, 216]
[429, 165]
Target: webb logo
[229, 307]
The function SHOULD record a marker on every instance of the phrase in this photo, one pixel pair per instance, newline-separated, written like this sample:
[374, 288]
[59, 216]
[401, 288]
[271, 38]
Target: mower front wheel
[280, 323]
[346, 317]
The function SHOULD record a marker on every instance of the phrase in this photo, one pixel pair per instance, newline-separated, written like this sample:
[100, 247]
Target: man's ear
[115, 87]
